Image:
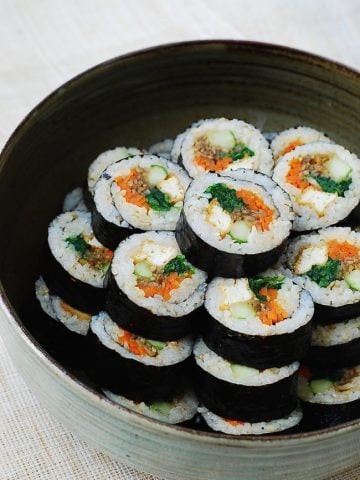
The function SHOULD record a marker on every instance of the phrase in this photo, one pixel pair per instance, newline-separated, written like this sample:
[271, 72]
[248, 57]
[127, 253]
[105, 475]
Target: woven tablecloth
[43, 43]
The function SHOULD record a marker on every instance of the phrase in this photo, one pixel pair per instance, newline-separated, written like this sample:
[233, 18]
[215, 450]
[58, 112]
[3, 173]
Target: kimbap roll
[323, 181]
[261, 322]
[329, 396]
[179, 409]
[74, 200]
[289, 139]
[219, 144]
[327, 264]
[152, 289]
[162, 149]
[136, 367]
[74, 263]
[243, 393]
[234, 226]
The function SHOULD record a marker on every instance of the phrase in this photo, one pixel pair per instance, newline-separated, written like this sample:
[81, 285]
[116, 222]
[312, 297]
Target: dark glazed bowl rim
[57, 368]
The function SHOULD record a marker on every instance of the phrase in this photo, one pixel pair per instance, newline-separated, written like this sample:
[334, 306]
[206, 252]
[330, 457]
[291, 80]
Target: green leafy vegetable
[225, 196]
[179, 264]
[158, 200]
[323, 275]
[329, 185]
[240, 154]
[78, 242]
[258, 282]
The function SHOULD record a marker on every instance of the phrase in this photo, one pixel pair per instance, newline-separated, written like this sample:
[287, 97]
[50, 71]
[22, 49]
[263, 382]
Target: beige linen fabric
[43, 43]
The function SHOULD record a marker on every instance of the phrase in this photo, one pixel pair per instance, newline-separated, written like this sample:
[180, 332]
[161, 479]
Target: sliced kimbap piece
[219, 144]
[178, 409]
[238, 427]
[261, 322]
[234, 226]
[153, 290]
[327, 264]
[74, 200]
[323, 181]
[137, 367]
[148, 191]
[287, 140]
[335, 345]
[163, 148]
[63, 329]
[176, 148]
[243, 393]
[98, 166]
[74, 263]
[329, 396]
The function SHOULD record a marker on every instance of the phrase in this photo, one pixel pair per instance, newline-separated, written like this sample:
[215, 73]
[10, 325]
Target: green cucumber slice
[338, 169]
[156, 344]
[143, 269]
[240, 231]
[242, 311]
[156, 174]
[223, 139]
[162, 407]
[353, 279]
[242, 372]
[320, 386]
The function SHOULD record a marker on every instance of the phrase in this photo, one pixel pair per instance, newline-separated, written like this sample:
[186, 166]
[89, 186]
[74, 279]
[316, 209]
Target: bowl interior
[142, 98]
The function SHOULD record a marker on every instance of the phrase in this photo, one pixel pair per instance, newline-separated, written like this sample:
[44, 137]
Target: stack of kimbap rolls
[123, 286]
[327, 264]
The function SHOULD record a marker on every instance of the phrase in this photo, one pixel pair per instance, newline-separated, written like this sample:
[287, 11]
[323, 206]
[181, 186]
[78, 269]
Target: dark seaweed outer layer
[254, 350]
[109, 234]
[80, 295]
[141, 321]
[218, 263]
[88, 198]
[131, 378]
[335, 356]
[67, 347]
[320, 415]
[248, 404]
[324, 314]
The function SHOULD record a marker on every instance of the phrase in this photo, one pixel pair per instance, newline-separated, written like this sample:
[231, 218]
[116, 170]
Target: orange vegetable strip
[256, 204]
[294, 175]
[170, 282]
[213, 164]
[234, 423]
[273, 311]
[130, 196]
[291, 146]
[342, 250]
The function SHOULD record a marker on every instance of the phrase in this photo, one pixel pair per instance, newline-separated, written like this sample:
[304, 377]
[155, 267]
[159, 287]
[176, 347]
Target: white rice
[163, 148]
[221, 368]
[196, 204]
[302, 135]
[74, 200]
[338, 293]
[105, 159]
[140, 217]
[107, 331]
[220, 424]
[54, 307]
[184, 407]
[306, 217]
[336, 333]
[348, 391]
[296, 302]
[250, 136]
[186, 298]
[67, 225]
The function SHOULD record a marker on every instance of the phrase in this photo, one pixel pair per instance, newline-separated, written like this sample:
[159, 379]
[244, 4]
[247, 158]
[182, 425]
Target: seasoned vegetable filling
[159, 271]
[320, 178]
[256, 298]
[314, 382]
[76, 313]
[139, 345]
[153, 188]
[97, 257]
[334, 260]
[216, 150]
[235, 212]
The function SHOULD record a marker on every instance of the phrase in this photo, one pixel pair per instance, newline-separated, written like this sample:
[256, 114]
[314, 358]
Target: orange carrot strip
[273, 312]
[130, 196]
[171, 282]
[234, 423]
[342, 250]
[304, 372]
[291, 146]
[212, 164]
[294, 175]
[256, 204]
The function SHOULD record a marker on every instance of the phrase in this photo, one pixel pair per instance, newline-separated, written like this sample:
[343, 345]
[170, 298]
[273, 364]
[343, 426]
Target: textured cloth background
[43, 43]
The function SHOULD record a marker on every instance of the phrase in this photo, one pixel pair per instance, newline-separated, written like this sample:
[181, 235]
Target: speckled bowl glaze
[139, 99]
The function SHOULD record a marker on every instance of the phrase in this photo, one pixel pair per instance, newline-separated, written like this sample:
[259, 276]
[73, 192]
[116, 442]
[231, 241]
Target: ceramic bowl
[139, 99]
